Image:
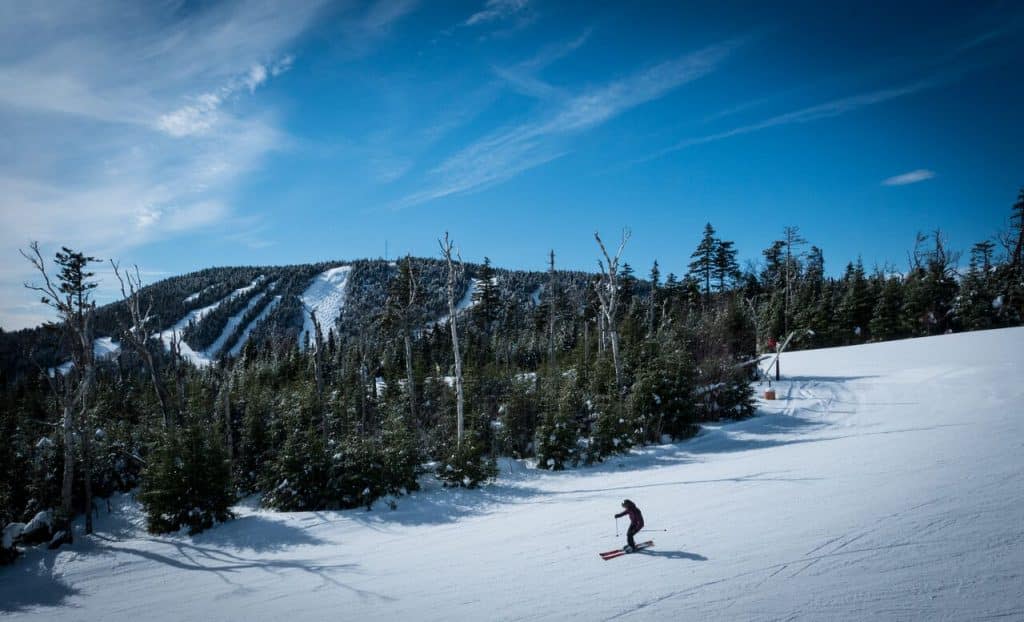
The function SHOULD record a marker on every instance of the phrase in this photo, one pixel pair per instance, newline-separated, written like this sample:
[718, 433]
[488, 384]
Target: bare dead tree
[792, 238]
[1017, 222]
[455, 269]
[318, 367]
[229, 427]
[70, 298]
[399, 314]
[551, 311]
[407, 310]
[137, 336]
[178, 370]
[916, 257]
[608, 296]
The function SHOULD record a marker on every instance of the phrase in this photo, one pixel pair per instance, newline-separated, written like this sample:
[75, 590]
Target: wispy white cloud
[496, 10]
[202, 114]
[913, 177]
[510, 151]
[826, 110]
[131, 123]
[363, 27]
[523, 77]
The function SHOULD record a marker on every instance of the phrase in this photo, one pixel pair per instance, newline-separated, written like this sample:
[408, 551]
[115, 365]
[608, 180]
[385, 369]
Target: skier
[636, 523]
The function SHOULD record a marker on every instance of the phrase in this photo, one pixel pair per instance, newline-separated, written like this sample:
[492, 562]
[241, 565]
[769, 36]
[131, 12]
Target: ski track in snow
[231, 325]
[464, 303]
[244, 337]
[326, 297]
[201, 358]
[884, 483]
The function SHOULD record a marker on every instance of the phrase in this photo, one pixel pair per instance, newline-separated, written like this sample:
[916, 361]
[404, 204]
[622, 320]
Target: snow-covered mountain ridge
[215, 312]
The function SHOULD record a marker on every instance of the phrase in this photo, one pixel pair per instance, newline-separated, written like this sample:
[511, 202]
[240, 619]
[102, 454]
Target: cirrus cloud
[913, 177]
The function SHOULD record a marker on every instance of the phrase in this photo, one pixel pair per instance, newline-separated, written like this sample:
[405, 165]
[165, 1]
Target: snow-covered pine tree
[857, 305]
[887, 317]
[187, 480]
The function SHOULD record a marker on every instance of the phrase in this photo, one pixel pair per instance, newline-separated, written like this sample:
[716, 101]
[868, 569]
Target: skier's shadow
[674, 555]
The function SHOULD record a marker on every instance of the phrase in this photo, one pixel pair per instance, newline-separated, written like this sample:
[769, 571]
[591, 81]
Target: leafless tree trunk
[608, 296]
[586, 340]
[454, 268]
[70, 299]
[318, 369]
[410, 384]
[793, 238]
[178, 371]
[88, 359]
[551, 312]
[137, 335]
[229, 428]
[68, 429]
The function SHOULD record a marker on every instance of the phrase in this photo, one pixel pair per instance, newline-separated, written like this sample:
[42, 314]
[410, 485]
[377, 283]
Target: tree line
[561, 368]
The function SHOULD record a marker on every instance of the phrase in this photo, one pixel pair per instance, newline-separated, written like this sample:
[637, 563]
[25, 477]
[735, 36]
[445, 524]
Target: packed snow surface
[325, 296]
[885, 483]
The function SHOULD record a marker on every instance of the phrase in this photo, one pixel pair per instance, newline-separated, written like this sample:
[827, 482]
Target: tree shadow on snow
[256, 533]
[826, 378]
[184, 555]
[435, 505]
[697, 557]
[30, 582]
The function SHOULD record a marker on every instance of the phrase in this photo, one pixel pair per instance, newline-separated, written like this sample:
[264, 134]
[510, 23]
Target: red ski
[619, 552]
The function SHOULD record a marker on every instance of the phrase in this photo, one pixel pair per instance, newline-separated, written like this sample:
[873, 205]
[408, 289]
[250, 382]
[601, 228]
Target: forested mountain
[332, 385]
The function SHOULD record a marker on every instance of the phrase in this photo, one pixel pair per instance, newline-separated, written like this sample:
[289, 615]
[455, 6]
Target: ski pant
[632, 531]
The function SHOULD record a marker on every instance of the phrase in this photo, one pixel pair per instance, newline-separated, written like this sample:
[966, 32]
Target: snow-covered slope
[103, 349]
[199, 358]
[885, 483]
[326, 297]
[464, 303]
[244, 337]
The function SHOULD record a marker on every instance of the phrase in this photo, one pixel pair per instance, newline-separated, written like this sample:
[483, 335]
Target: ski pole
[616, 526]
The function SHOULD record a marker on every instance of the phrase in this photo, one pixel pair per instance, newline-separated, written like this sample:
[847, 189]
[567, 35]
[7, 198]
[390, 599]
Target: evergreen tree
[886, 319]
[856, 309]
[655, 298]
[187, 480]
[557, 434]
[702, 268]
[661, 399]
[725, 269]
[486, 297]
[973, 305]
[1016, 238]
[931, 288]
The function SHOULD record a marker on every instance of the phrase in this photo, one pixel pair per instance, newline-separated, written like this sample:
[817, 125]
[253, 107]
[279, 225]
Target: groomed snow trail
[325, 296]
[884, 484]
[200, 358]
[244, 337]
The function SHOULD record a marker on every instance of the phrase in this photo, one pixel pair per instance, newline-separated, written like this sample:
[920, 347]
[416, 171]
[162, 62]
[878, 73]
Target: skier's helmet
[626, 503]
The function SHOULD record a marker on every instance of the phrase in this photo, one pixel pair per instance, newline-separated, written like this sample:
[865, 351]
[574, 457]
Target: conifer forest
[205, 388]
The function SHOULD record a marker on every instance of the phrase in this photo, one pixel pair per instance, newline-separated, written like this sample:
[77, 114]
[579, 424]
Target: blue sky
[182, 135]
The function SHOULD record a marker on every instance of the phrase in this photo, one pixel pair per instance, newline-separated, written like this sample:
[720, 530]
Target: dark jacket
[636, 519]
